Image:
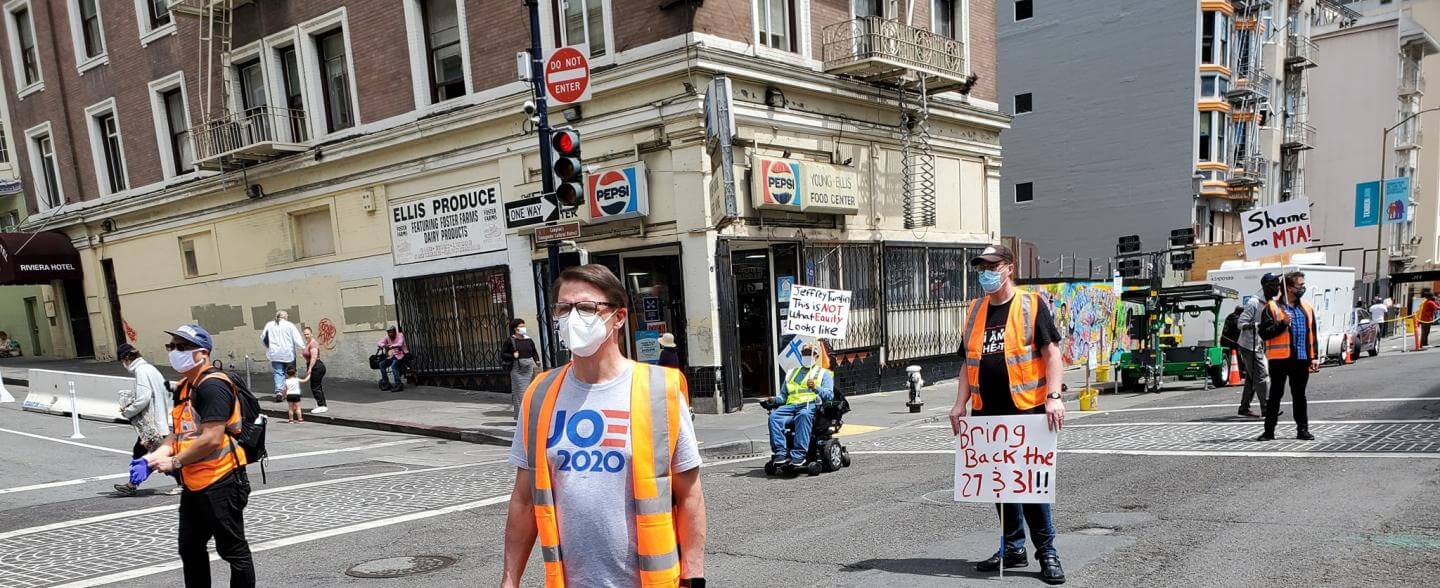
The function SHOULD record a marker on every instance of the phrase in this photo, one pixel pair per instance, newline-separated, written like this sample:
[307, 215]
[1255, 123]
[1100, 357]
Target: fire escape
[917, 64]
[1297, 135]
[236, 129]
[1249, 103]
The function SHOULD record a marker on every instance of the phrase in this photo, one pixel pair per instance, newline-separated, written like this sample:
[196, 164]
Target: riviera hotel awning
[37, 258]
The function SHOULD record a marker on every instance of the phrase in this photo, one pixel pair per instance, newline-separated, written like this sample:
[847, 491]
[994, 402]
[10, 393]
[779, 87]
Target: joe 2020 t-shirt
[589, 455]
[995, 398]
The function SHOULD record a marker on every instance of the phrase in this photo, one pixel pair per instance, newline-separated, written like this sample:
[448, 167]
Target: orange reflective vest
[1025, 364]
[201, 474]
[1279, 346]
[655, 399]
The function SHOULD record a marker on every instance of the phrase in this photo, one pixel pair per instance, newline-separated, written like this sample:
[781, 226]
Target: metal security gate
[925, 293]
[456, 324]
[853, 267]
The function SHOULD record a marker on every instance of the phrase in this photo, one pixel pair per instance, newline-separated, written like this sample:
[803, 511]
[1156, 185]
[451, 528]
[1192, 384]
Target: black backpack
[251, 437]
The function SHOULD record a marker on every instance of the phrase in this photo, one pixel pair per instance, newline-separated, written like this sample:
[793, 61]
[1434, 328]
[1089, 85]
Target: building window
[777, 24]
[1207, 37]
[252, 85]
[158, 11]
[947, 18]
[313, 234]
[1206, 136]
[27, 61]
[174, 126]
[442, 46]
[1022, 103]
[335, 80]
[294, 93]
[4, 146]
[1212, 137]
[91, 34]
[1024, 192]
[11, 222]
[1215, 38]
[585, 23]
[1214, 86]
[197, 254]
[50, 193]
[864, 8]
[107, 147]
[1024, 9]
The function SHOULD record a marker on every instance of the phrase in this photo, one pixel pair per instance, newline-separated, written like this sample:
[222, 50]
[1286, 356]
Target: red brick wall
[638, 22]
[982, 49]
[497, 31]
[729, 19]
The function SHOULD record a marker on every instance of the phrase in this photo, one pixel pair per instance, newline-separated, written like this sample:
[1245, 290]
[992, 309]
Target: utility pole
[547, 183]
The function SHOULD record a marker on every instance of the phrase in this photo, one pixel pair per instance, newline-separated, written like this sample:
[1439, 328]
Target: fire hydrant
[916, 381]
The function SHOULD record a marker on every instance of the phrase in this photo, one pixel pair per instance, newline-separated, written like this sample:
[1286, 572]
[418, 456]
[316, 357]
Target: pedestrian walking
[147, 407]
[1428, 309]
[208, 459]
[1251, 354]
[281, 338]
[1288, 327]
[393, 347]
[292, 396]
[607, 472]
[1378, 312]
[314, 371]
[669, 353]
[1012, 366]
[520, 355]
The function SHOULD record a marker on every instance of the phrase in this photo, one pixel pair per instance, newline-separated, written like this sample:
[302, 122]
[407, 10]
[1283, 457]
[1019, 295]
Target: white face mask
[807, 360]
[183, 361]
[584, 336]
[520, 331]
[129, 366]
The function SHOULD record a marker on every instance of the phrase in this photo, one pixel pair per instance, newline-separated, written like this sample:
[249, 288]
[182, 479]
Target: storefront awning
[37, 258]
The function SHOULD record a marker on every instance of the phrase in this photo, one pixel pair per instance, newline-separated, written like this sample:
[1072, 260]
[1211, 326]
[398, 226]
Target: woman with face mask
[607, 466]
[147, 407]
[520, 355]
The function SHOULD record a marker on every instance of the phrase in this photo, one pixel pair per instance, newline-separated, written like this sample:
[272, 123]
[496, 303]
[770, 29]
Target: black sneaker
[1304, 436]
[1050, 570]
[1266, 437]
[1013, 559]
[125, 490]
[385, 386]
[1249, 414]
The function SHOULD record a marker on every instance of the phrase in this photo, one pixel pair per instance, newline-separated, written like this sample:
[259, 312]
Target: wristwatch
[1055, 396]
[175, 464]
[692, 582]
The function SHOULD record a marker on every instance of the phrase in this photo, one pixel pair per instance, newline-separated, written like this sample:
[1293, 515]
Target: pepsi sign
[618, 193]
[777, 184]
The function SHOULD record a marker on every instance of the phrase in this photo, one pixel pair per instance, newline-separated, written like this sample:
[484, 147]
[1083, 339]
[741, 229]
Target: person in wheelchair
[805, 387]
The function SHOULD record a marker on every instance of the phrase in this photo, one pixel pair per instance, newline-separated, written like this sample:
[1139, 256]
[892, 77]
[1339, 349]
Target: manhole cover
[1096, 531]
[396, 567]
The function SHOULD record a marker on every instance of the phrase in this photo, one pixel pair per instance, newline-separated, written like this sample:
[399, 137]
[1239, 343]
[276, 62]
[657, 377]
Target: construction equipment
[1158, 355]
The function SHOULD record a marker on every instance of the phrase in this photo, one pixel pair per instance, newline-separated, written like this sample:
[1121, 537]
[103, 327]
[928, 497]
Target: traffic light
[566, 168]
[1182, 260]
[1128, 244]
[1182, 237]
[1130, 268]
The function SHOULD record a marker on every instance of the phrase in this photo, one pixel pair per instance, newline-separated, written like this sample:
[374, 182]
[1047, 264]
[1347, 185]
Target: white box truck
[1329, 289]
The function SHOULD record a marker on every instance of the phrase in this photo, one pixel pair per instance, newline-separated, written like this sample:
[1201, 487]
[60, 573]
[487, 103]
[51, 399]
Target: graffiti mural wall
[1089, 316]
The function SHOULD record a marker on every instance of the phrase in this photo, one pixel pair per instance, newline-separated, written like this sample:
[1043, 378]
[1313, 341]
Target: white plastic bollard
[4, 394]
[74, 414]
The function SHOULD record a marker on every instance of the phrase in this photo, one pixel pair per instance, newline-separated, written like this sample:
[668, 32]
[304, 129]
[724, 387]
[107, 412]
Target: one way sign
[531, 211]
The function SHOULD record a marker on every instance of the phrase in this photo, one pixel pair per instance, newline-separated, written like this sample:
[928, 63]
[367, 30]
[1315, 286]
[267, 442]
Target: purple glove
[139, 470]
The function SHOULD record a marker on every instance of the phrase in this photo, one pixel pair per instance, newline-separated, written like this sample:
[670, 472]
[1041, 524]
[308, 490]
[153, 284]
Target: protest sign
[818, 312]
[1005, 459]
[1277, 228]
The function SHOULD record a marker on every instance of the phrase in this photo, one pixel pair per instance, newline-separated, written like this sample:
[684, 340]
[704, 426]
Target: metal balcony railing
[1298, 135]
[254, 135]
[197, 7]
[879, 49]
[1300, 51]
[1411, 82]
[1249, 170]
[1408, 137]
[1253, 84]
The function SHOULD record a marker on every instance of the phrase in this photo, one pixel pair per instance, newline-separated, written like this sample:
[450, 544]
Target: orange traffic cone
[1345, 357]
[1234, 369]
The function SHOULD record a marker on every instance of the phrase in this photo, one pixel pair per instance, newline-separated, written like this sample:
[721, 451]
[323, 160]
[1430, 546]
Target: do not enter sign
[567, 74]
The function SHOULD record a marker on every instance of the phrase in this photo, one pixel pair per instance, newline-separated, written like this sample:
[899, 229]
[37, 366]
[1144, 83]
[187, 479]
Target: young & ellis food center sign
[803, 186]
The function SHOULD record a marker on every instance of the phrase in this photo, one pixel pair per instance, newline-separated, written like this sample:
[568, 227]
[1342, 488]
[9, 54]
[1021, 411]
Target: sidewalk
[485, 417]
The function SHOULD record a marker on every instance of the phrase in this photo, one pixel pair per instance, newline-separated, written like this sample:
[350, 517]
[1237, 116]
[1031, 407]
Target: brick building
[217, 160]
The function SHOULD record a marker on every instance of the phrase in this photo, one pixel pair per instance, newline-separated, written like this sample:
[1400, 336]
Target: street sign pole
[542, 129]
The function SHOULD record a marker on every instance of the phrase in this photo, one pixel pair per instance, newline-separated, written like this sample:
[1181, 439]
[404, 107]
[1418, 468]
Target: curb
[483, 436]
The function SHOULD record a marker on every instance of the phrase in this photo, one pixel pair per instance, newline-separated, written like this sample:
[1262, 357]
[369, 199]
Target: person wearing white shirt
[281, 337]
[1378, 310]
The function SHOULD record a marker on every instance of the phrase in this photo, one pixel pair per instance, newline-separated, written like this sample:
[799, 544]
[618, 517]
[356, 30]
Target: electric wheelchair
[826, 454]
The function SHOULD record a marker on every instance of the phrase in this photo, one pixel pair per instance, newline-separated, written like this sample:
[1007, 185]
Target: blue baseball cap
[195, 334]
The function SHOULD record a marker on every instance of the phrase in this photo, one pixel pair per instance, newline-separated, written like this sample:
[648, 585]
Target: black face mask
[1299, 292]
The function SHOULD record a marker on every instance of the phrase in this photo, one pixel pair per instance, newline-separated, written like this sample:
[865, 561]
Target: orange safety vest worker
[654, 428]
[201, 474]
[1279, 346]
[1023, 362]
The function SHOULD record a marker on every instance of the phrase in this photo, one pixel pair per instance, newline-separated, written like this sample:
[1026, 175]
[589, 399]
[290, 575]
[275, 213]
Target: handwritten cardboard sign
[1277, 228]
[818, 312]
[1005, 459]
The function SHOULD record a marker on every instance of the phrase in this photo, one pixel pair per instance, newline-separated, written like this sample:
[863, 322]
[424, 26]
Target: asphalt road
[1160, 490]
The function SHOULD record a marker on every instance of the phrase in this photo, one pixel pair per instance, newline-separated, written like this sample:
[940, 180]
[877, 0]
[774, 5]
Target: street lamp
[1380, 222]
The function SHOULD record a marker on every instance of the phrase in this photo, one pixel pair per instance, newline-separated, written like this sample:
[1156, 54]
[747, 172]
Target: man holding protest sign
[1013, 366]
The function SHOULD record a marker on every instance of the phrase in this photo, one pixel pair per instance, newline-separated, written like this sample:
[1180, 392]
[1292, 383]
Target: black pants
[1424, 334]
[217, 512]
[317, 382]
[1297, 372]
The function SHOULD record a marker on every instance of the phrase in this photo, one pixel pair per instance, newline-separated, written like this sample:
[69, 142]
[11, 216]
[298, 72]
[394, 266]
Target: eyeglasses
[181, 347]
[586, 308]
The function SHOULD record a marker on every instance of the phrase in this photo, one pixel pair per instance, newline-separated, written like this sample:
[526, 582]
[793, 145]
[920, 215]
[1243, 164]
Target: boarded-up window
[313, 234]
[197, 254]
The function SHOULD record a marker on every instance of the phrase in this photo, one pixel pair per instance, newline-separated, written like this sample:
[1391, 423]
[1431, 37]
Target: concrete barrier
[96, 397]
[5, 394]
